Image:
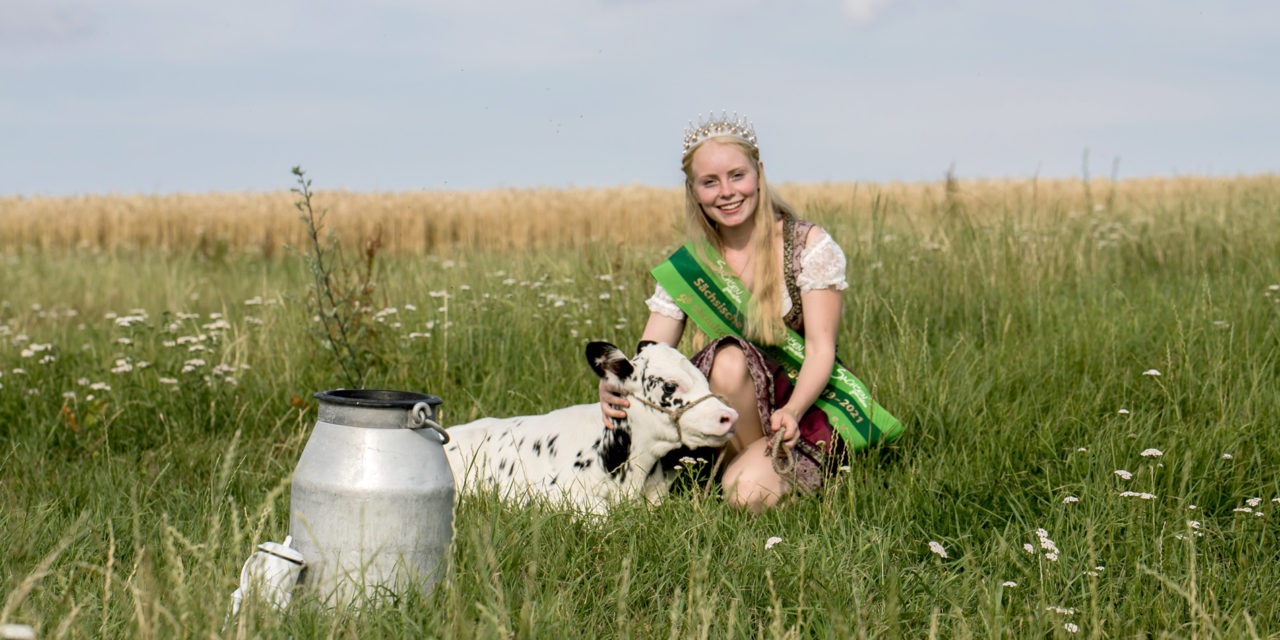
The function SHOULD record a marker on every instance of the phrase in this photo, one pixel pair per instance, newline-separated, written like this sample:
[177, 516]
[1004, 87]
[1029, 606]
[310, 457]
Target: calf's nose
[728, 419]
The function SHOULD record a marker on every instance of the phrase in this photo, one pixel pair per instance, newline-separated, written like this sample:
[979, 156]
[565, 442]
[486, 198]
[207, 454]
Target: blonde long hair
[764, 322]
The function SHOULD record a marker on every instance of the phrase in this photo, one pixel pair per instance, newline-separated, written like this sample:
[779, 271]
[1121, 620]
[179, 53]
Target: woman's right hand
[611, 397]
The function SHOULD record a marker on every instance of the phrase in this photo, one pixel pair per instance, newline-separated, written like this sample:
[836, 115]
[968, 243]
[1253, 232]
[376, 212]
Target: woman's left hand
[783, 419]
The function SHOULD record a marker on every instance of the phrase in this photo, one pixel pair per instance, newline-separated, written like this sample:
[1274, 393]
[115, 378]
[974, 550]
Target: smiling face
[725, 183]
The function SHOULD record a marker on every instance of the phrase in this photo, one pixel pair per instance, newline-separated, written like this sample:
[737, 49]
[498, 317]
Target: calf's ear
[606, 359]
[644, 343]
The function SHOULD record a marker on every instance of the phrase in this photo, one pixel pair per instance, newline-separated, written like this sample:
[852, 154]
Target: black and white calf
[569, 456]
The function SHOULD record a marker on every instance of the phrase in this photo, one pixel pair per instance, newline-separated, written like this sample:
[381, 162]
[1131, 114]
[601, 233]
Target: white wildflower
[1082, 450]
[1227, 456]
[27, 353]
[1125, 475]
[82, 381]
[936, 547]
[1151, 372]
[164, 380]
[1123, 412]
[1046, 543]
[1028, 547]
[47, 358]
[1060, 610]
[69, 395]
[768, 544]
[1135, 494]
[1051, 556]
[129, 321]
[191, 365]
[100, 386]
[1009, 584]
[1151, 453]
[1222, 324]
[1253, 502]
[19, 371]
[122, 366]
[1070, 500]
[1242, 510]
[256, 300]
[1070, 627]
[605, 296]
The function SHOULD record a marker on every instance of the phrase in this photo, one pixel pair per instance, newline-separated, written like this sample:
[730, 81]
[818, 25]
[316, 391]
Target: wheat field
[422, 222]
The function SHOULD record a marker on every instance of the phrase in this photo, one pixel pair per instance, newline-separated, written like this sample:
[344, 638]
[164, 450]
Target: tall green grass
[1008, 340]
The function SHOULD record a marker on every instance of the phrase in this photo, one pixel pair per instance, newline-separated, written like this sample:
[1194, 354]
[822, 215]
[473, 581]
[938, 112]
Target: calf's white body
[569, 457]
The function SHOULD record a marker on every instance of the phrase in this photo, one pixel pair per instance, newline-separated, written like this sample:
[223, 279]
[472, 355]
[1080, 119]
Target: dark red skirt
[819, 449]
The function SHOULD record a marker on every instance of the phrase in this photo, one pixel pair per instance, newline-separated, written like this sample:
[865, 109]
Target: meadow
[1087, 371]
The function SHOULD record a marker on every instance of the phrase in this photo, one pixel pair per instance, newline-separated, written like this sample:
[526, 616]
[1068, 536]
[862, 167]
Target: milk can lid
[13, 631]
[382, 398]
[282, 550]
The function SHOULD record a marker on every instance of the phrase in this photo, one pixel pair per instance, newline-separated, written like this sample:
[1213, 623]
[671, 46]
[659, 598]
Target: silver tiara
[737, 126]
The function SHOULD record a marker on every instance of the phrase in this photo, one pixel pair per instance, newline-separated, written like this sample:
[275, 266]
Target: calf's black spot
[614, 450]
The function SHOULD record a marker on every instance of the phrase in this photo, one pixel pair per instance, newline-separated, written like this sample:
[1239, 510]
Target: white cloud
[36, 23]
[863, 11]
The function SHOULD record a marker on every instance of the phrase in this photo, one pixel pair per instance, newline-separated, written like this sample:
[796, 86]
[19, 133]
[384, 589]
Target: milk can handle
[421, 413]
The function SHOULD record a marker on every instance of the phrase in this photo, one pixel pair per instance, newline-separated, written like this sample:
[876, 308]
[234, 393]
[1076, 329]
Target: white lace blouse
[822, 266]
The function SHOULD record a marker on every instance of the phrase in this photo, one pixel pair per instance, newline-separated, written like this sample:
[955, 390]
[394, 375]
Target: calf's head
[666, 390]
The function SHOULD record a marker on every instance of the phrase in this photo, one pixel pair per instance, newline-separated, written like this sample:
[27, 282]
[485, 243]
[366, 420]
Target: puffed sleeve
[822, 266]
[661, 302]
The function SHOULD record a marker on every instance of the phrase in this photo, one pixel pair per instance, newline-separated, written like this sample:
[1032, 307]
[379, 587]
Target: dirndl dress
[819, 450]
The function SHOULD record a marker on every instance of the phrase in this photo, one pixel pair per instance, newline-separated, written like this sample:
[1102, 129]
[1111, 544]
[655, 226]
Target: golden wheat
[446, 221]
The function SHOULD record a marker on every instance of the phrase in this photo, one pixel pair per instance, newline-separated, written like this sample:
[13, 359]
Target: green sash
[712, 300]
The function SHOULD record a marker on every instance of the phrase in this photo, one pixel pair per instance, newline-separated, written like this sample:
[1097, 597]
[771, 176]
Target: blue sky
[163, 96]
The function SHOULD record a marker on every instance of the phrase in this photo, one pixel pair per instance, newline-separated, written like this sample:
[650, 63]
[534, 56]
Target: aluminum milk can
[372, 503]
